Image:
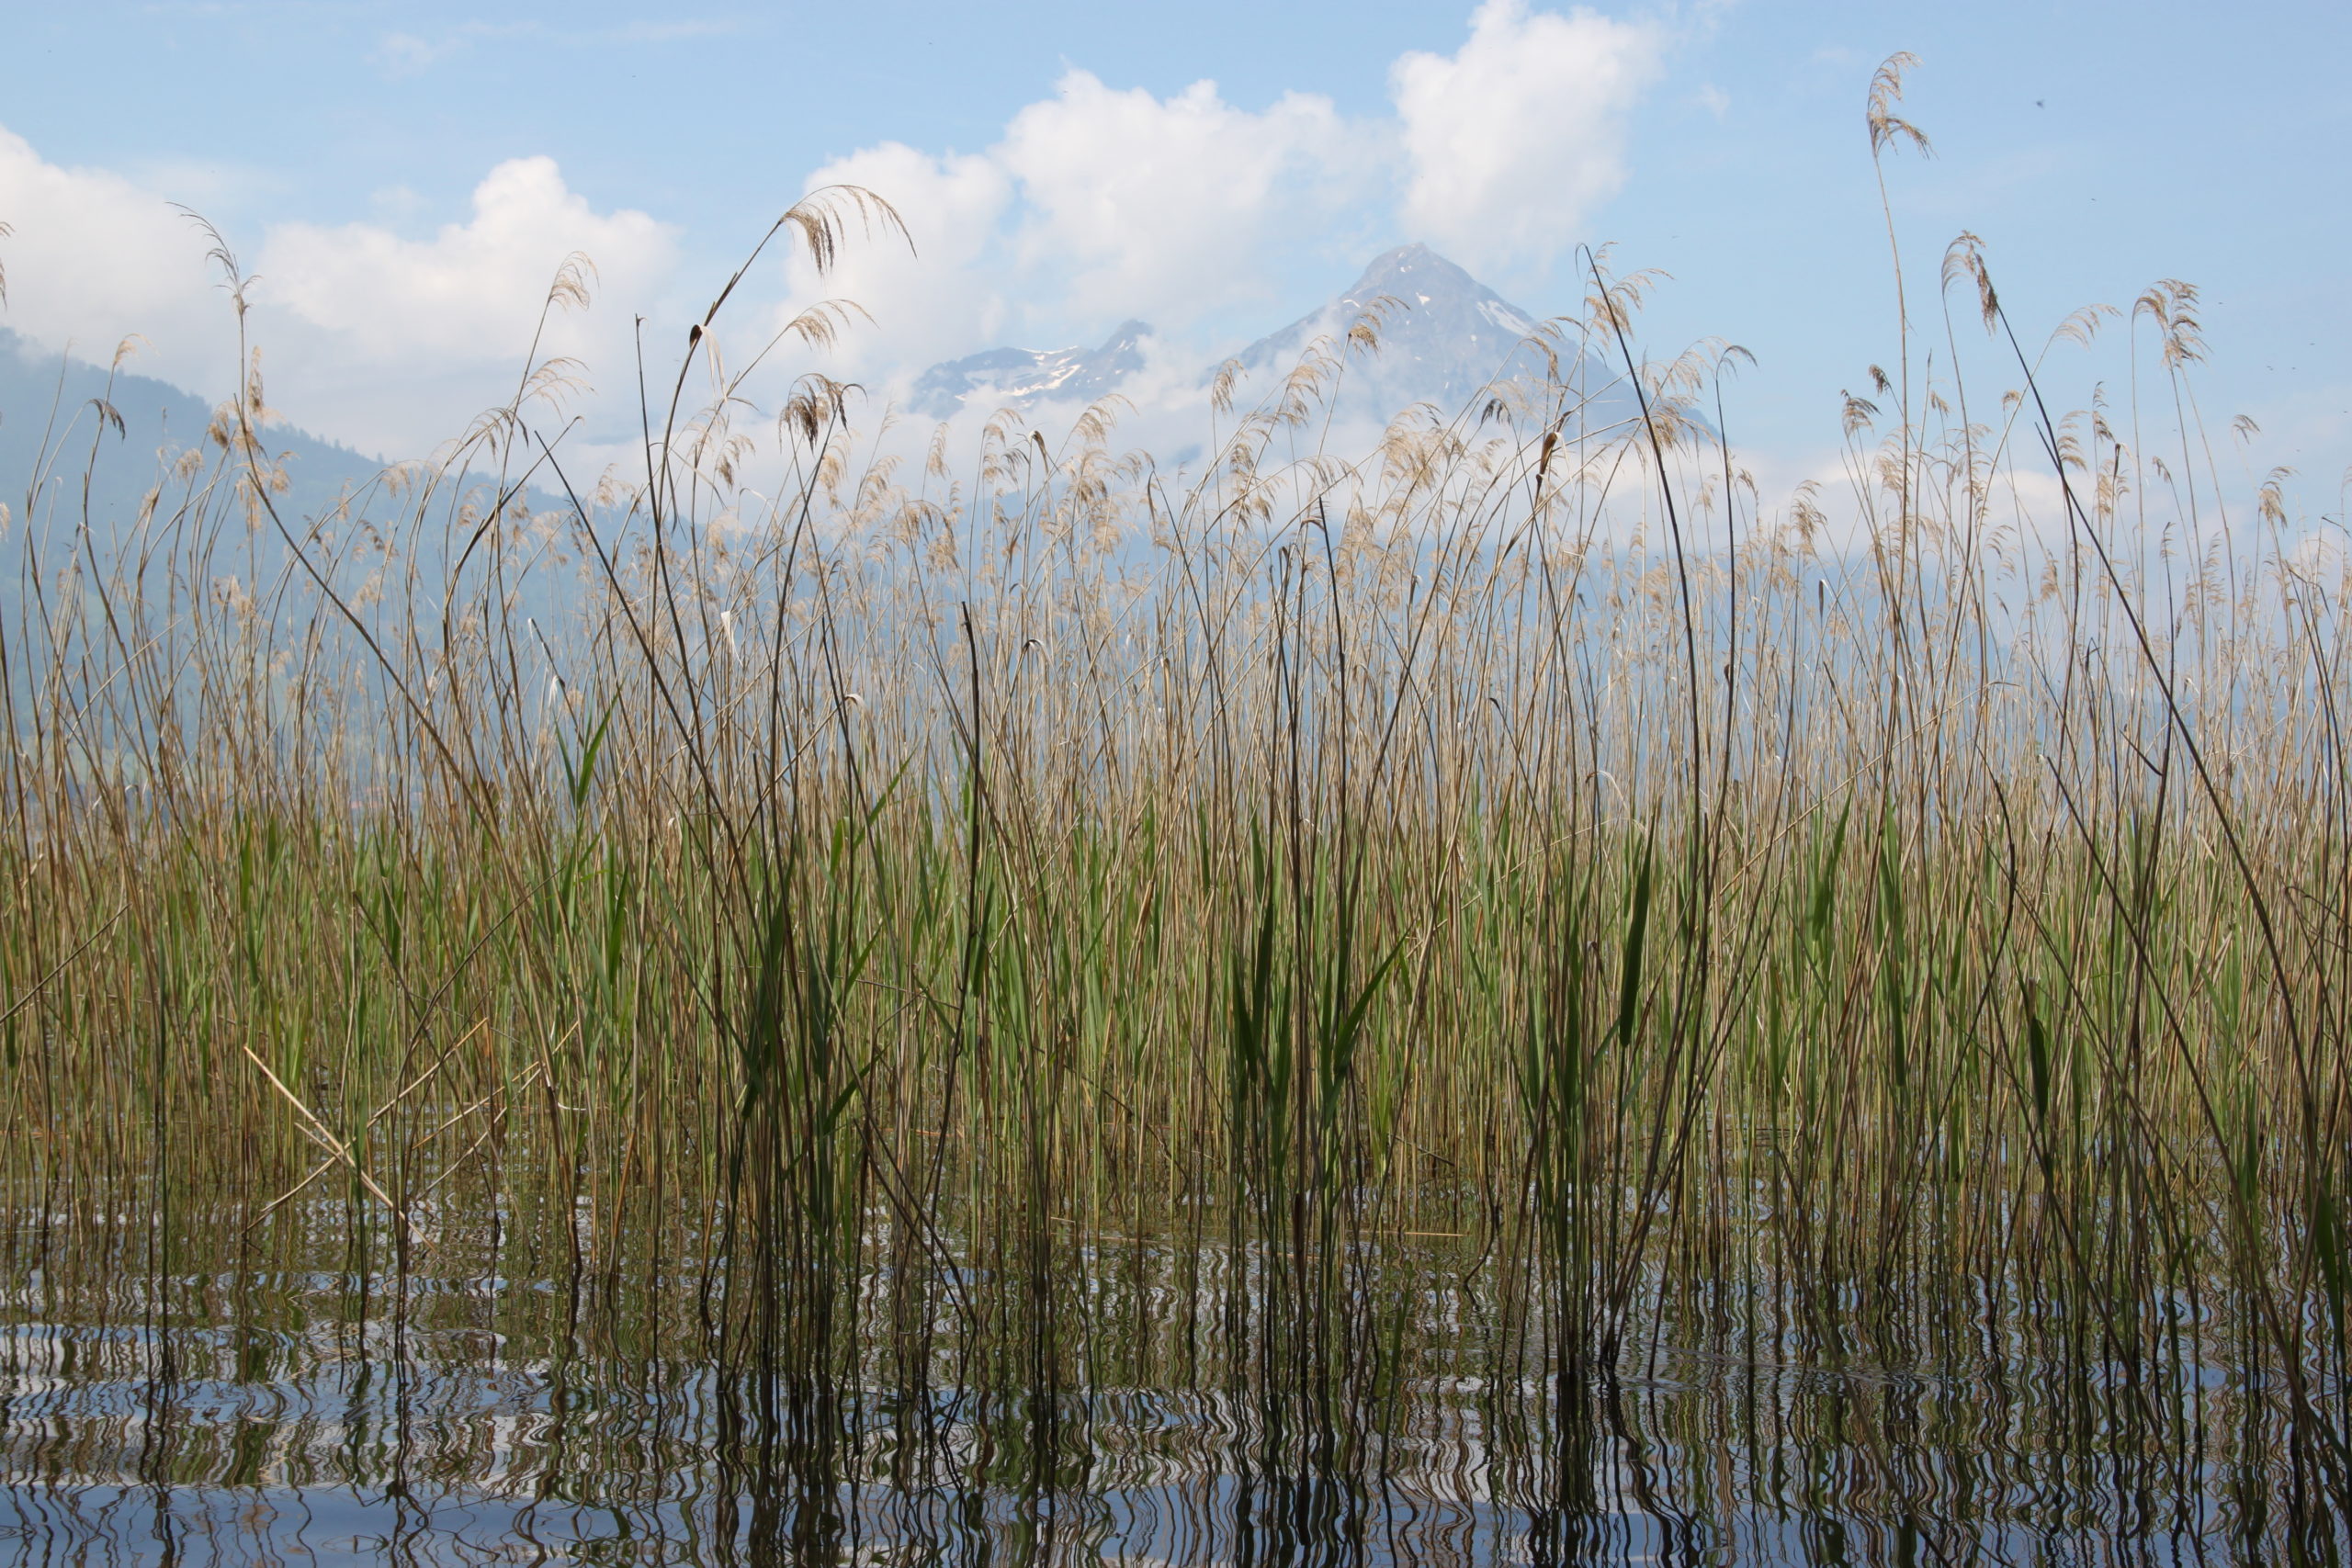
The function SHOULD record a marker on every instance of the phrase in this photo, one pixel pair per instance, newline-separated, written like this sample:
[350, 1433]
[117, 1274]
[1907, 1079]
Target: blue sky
[404, 177]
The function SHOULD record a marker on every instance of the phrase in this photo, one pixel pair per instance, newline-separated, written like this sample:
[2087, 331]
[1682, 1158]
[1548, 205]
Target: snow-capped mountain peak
[1000, 376]
[1451, 337]
[1444, 338]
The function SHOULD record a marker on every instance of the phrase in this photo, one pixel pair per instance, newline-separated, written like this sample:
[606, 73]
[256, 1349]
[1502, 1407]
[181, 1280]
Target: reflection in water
[1400, 1400]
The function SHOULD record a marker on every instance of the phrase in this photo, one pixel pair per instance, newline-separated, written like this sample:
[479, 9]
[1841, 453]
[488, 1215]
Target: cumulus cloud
[1096, 204]
[475, 287]
[1516, 138]
[388, 342]
[93, 259]
[1133, 197]
[451, 317]
[933, 294]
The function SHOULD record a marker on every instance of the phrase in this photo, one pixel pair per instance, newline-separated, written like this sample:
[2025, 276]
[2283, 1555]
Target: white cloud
[94, 258]
[1515, 139]
[1096, 204]
[935, 298]
[473, 290]
[1166, 205]
[391, 344]
[397, 342]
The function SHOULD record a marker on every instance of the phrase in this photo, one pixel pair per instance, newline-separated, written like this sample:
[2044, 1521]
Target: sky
[401, 181]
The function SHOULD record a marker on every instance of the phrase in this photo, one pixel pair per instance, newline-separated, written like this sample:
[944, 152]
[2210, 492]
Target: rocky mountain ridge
[1443, 337]
[999, 376]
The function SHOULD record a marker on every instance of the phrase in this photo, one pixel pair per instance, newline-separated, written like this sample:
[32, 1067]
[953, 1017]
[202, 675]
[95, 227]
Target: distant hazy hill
[1000, 376]
[52, 434]
[49, 425]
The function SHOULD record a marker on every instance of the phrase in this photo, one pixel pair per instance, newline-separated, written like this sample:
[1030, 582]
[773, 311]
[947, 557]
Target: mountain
[55, 439]
[1444, 336]
[51, 427]
[1000, 376]
[1445, 339]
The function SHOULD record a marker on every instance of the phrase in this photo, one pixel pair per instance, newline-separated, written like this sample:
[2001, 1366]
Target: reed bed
[1503, 974]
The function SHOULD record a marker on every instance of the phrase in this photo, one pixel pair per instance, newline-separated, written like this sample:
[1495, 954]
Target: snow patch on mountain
[1444, 339]
[995, 376]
